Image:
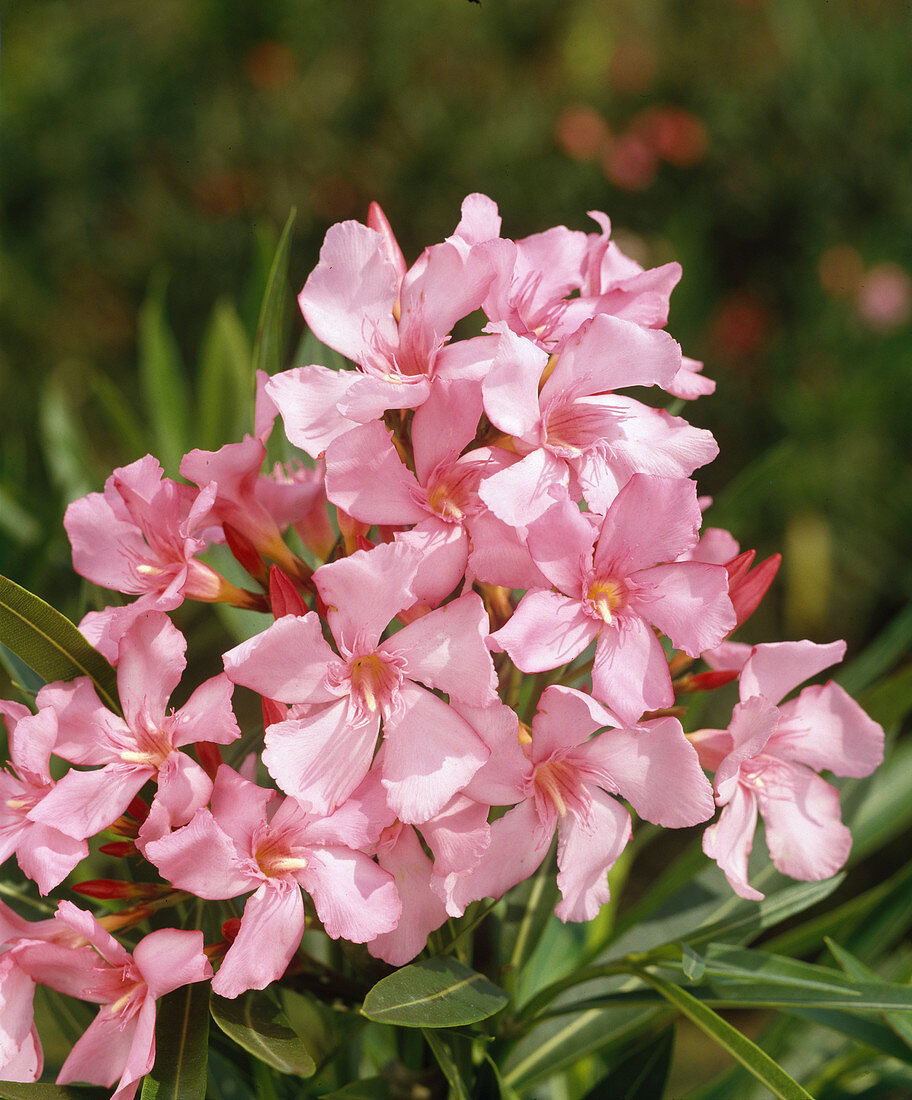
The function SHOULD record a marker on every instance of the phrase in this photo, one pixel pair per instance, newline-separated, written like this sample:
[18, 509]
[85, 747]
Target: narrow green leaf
[63, 437]
[50, 644]
[557, 1044]
[267, 348]
[641, 1073]
[856, 969]
[21, 526]
[757, 1061]
[460, 1089]
[162, 380]
[439, 992]
[862, 1029]
[691, 963]
[225, 405]
[181, 1046]
[131, 432]
[258, 1025]
[527, 912]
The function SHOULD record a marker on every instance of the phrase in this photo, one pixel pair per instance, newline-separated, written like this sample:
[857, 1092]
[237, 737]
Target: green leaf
[63, 438]
[258, 1025]
[557, 1044]
[891, 645]
[641, 1074]
[267, 348]
[527, 910]
[439, 992]
[460, 1089]
[370, 1088]
[50, 644]
[755, 1060]
[162, 380]
[225, 408]
[857, 970]
[181, 1046]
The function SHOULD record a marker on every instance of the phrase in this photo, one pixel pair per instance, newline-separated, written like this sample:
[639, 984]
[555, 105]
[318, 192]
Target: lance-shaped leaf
[163, 381]
[437, 992]
[452, 1067]
[255, 1023]
[49, 643]
[267, 348]
[181, 1046]
[755, 1060]
[857, 970]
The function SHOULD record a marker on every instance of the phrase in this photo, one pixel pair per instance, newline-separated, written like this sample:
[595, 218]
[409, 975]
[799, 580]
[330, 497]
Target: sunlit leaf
[49, 643]
[439, 992]
[163, 382]
[267, 348]
[181, 1046]
[258, 1025]
[755, 1060]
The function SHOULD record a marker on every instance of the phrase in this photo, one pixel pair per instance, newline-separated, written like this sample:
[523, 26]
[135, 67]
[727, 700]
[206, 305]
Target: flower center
[276, 857]
[374, 682]
[605, 598]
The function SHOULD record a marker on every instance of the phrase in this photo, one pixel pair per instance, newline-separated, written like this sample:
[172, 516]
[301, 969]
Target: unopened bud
[119, 848]
[284, 597]
[107, 889]
[210, 757]
[705, 681]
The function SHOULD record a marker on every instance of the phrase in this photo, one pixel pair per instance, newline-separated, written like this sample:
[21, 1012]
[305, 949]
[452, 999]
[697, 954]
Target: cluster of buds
[489, 588]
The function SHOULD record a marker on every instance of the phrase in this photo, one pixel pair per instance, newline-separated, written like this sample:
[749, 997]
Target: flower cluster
[489, 588]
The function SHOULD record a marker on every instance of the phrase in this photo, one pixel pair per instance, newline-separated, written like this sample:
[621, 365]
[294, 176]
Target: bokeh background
[150, 154]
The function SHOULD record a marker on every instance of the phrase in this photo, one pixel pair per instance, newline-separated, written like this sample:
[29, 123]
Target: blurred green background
[766, 144]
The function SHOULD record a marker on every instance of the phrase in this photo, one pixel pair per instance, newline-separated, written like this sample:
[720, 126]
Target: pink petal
[321, 758]
[422, 910]
[365, 590]
[178, 859]
[88, 927]
[31, 740]
[652, 520]
[445, 424]
[630, 674]
[308, 399]
[86, 730]
[369, 396]
[84, 803]
[657, 770]
[566, 719]
[367, 479]
[149, 668]
[827, 730]
[183, 787]
[730, 839]
[106, 547]
[776, 668]
[585, 855]
[752, 725]
[546, 630]
[518, 846]
[688, 601]
[207, 715]
[560, 542]
[348, 298]
[446, 651]
[480, 221]
[804, 831]
[354, 898]
[499, 554]
[510, 387]
[609, 354]
[286, 662]
[270, 933]
[47, 855]
[16, 992]
[169, 959]
[501, 779]
[100, 1055]
[443, 550]
[524, 491]
[458, 836]
[430, 754]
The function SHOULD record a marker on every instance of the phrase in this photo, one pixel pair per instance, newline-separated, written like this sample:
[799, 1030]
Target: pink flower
[120, 1042]
[140, 746]
[567, 783]
[618, 590]
[322, 753]
[768, 758]
[44, 853]
[254, 841]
